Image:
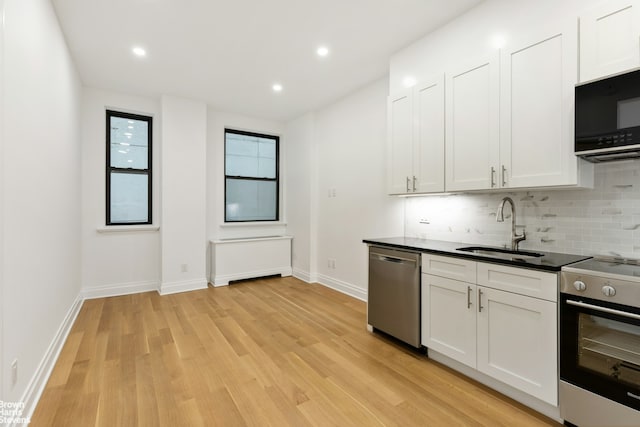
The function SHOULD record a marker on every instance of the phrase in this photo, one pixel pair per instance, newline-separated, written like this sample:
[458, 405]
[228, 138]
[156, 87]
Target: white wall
[217, 121]
[1, 196]
[183, 229]
[115, 262]
[350, 139]
[41, 188]
[298, 188]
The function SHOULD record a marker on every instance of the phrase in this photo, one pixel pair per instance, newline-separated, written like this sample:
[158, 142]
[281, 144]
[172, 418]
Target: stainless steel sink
[500, 253]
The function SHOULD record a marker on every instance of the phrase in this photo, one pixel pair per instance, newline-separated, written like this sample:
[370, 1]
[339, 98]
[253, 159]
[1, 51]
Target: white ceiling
[229, 53]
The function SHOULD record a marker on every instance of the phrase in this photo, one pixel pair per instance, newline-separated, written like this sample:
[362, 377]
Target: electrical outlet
[331, 263]
[14, 372]
[184, 268]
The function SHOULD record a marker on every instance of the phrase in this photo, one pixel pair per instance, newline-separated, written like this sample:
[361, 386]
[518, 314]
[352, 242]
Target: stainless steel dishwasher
[394, 293]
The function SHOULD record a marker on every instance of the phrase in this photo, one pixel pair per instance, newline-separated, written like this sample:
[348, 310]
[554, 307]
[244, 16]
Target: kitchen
[581, 221]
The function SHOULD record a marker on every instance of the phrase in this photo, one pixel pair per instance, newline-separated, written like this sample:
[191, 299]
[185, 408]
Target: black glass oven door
[600, 348]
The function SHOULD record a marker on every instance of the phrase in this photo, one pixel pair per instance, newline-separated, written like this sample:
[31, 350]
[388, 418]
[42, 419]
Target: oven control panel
[600, 288]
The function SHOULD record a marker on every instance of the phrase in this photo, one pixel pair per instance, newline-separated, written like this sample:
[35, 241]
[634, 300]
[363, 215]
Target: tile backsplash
[604, 220]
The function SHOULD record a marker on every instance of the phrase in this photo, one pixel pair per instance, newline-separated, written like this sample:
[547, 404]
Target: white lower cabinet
[448, 318]
[509, 336]
[517, 342]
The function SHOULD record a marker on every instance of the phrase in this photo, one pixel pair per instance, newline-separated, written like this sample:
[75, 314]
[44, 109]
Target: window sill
[127, 228]
[253, 224]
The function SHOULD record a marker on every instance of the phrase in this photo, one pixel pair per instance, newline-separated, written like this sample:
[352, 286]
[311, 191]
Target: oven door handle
[604, 309]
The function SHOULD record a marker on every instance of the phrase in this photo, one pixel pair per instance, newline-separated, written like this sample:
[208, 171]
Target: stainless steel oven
[600, 344]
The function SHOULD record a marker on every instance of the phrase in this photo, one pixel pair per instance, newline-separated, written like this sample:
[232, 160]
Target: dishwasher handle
[397, 260]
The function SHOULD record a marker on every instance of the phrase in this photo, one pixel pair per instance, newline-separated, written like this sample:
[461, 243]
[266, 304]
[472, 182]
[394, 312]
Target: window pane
[249, 200]
[129, 143]
[242, 166]
[129, 198]
[250, 156]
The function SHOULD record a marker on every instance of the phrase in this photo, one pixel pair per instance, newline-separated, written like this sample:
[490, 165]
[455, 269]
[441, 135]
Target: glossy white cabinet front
[609, 38]
[416, 139]
[538, 76]
[472, 139]
[499, 328]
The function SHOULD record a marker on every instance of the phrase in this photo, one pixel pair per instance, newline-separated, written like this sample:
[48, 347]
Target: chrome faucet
[515, 238]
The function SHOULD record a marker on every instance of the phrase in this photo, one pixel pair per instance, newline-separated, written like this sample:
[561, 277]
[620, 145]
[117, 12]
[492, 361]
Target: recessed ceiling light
[138, 51]
[322, 51]
[277, 87]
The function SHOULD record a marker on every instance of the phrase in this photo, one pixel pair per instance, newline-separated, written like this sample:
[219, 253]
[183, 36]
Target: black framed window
[129, 146]
[251, 165]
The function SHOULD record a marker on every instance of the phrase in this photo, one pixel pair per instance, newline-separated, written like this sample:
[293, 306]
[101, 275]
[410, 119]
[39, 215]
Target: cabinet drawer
[537, 284]
[449, 267]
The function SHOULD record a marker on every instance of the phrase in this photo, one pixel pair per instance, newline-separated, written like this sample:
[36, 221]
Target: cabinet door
[517, 342]
[609, 38]
[449, 318]
[400, 140]
[537, 88]
[428, 142]
[472, 145]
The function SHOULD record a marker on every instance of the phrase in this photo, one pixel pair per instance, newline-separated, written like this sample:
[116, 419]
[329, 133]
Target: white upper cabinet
[472, 117]
[416, 139]
[609, 38]
[428, 147]
[538, 77]
[400, 142]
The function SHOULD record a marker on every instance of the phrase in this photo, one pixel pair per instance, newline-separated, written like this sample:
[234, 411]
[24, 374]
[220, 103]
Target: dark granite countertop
[550, 261]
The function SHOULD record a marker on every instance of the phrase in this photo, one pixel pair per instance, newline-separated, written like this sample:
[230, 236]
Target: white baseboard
[224, 279]
[118, 289]
[305, 276]
[39, 380]
[182, 286]
[344, 287]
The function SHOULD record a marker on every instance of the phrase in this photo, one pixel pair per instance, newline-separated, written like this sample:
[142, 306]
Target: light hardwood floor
[271, 352]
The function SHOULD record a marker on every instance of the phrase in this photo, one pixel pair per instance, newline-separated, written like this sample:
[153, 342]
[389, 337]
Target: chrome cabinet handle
[480, 307]
[504, 173]
[493, 177]
[408, 182]
[469, 296]
[414, 183]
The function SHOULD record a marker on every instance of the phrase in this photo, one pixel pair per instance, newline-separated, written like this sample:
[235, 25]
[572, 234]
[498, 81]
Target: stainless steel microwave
[607, 118]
